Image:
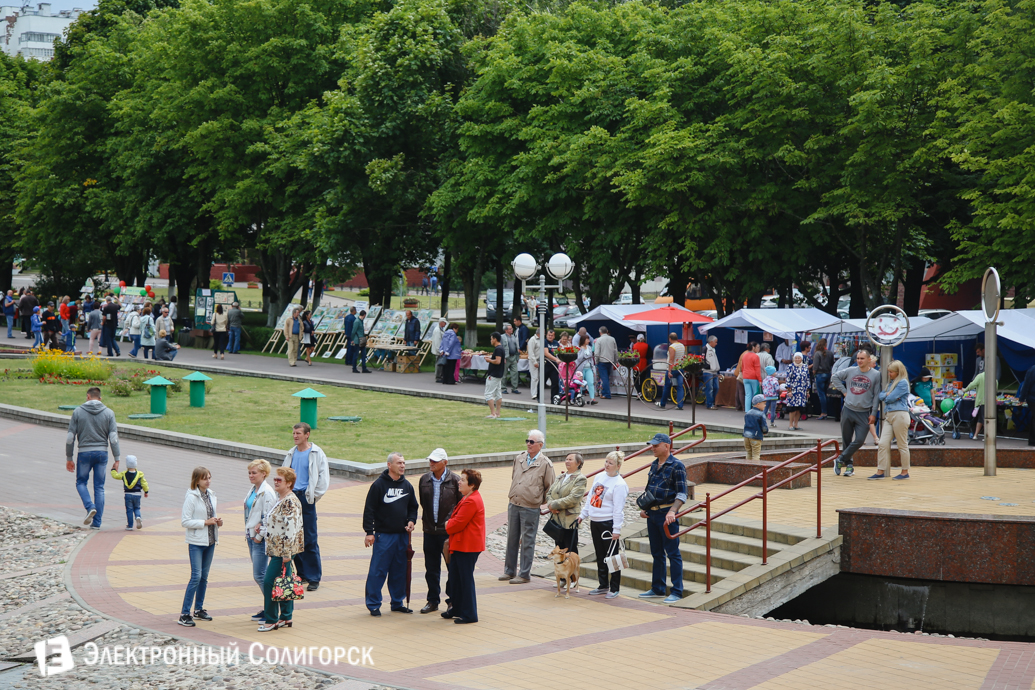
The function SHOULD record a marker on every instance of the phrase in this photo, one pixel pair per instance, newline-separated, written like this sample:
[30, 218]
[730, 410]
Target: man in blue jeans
[666, 480]
[234, 323]
[93, 426]
[711, 372]
[389, 515]
[312, 478]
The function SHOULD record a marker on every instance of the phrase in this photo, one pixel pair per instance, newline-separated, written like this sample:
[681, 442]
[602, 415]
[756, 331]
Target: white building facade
[31, 32]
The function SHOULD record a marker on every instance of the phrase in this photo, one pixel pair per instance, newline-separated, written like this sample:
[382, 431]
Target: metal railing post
[708, 543]
[765, 515]
[819, 489]
[670, 428]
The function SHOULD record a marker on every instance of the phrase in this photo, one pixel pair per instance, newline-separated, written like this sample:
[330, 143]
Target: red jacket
[467, 526]
[752, 368]
[644, 351]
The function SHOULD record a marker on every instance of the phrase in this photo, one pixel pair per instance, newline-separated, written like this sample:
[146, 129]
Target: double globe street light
[559, 267]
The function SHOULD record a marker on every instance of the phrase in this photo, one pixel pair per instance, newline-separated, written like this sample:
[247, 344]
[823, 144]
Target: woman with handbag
[199, 519]
[606, 512]
[308, 336]
[282, 530]
[466, 529]
[220, 332]
[564, 499]
[257, 505]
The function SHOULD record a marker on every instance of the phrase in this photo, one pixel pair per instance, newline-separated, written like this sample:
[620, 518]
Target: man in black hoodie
[388, 519]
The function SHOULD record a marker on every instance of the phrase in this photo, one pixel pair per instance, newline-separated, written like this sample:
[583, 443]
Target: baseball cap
[639, 338]
[757, 400]
[50, 304]
[35, 309]
[659, 438]
[437, 455]
[770, 370]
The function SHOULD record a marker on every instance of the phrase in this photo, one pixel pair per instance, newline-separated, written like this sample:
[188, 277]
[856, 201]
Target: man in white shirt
[785, 355]
[436, 344]
[711, 372]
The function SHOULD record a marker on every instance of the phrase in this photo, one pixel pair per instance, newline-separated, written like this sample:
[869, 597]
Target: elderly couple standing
[533, 484]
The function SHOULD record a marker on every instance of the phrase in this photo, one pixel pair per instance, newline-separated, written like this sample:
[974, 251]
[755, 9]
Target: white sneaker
[611, 595]
[140, 523]
[89, 517]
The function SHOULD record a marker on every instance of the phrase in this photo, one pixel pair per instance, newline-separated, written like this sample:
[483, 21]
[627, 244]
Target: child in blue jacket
[755, 428]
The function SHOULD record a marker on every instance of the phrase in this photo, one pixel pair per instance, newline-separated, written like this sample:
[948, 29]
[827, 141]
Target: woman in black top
[822, 364]
[308, 336]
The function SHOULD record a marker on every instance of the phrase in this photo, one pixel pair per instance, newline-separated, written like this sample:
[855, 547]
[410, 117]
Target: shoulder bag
[615, 559]
[287, 587]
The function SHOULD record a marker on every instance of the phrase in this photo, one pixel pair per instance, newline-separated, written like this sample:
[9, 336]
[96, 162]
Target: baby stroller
[575, 392]
[954, 420]
[924, 427]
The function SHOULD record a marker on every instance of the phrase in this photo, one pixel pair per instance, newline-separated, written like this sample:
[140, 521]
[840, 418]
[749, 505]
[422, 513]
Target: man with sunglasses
[531, 479]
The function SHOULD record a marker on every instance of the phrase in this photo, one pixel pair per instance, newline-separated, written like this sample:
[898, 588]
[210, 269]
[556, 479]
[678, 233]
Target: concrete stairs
[794, 564]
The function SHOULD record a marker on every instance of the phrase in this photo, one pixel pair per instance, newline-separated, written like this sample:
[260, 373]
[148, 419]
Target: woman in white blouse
[257, 505]
[605, 508]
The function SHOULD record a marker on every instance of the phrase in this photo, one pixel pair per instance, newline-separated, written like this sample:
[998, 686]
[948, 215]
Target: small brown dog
[565, 567]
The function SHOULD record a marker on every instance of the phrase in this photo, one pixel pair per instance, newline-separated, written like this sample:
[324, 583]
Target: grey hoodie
[94, 425]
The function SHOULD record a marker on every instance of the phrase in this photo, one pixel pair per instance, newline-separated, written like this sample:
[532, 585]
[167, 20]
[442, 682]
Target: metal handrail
[641, 451]
[763, 494]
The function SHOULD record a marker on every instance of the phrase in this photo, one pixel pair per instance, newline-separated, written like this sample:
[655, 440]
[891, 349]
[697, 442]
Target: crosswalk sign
[228, 279]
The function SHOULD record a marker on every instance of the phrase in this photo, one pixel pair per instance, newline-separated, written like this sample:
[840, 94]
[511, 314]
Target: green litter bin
[159, 393]
[197, 388]
[307, 414]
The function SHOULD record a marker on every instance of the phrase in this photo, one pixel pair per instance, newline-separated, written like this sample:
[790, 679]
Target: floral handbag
[287, 587]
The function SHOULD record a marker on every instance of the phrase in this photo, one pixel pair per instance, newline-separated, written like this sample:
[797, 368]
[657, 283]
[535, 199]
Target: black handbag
[646, 500]
[553, 529]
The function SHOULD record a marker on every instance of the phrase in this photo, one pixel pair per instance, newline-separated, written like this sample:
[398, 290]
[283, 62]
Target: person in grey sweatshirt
[93, 426]
[859, 385]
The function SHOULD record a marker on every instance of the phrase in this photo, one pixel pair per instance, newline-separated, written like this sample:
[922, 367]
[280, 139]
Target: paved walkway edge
[350, 468]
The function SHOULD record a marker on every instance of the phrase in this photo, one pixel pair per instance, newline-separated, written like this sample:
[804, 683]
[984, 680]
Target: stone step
[692, 571]
[697, 553]
[749, 528]
[737, 543]
[634, 582]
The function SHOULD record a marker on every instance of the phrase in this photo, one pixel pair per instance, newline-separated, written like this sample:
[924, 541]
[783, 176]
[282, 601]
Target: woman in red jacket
[466, 530]
[751, 370]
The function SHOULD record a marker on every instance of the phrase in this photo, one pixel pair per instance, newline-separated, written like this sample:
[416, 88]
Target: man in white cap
[436, 345]
[438, 491]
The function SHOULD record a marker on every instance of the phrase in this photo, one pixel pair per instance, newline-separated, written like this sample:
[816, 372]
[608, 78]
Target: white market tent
[1018, 326]
[784, 323]
[617, 313]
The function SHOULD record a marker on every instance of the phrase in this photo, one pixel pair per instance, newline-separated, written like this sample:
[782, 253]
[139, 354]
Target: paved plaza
[525, 638]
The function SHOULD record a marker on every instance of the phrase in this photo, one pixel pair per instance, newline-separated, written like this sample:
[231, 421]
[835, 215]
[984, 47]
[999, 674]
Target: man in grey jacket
[607, 355]
[509, 341]
[234, 321]
[860, 386]
[311, 481]
[93, 425]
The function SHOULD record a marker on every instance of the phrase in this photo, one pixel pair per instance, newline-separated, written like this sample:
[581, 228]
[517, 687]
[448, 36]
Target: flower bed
[66, 365]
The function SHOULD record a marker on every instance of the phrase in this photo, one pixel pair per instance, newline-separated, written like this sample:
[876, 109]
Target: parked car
[569, 313]
[710, 313]
[490, 304]
[626, 298]
[933, 313]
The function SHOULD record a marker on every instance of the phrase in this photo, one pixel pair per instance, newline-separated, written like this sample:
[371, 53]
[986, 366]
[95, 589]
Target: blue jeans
[388, 559]
[660, 547]
[96, 460]
[136, 345]
[200, 562]
[235, 340]
[10, 324]
[604, 370]
[132, 508]
[37, 338]
[770, 410]
[822, 381]
[674, 378]
[259, 560]
[307, 563]
[751, 389]
[108, 339]
[711, 388]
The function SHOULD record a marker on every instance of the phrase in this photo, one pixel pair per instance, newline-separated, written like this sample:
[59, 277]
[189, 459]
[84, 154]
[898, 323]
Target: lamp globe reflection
[560, 266]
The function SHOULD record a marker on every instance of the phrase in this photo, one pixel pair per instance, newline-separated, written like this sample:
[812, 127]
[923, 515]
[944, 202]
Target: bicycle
[656, 381]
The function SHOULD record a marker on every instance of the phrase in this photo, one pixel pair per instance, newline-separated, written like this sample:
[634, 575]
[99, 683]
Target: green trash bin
[197, 388]
[159, 393]
[307, 414]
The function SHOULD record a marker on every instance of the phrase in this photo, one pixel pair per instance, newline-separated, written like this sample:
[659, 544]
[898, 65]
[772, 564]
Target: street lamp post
[560, 267]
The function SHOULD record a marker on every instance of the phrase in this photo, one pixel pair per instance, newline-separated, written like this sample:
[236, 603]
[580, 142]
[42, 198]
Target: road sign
[990, 288]
[228, 279]
[887, 326]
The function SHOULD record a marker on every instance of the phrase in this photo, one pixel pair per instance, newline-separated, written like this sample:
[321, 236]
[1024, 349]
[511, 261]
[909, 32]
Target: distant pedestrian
[494, 377]
[293, 335]
[360, 339]
[202, 523]
[710, 375]
[822, 365]
[755, 428]
[797, 390]
[784, 355]
[466, 530]
[312, 477]
[308, 336]
[165, 351]
[10, 312]
[424, 285]
[93, 427]
[436, 346]
[674, 375]
[859, 385]
[36, 326]
[521, 331]
[133, 483]
[26, 303]
[148, 333]
[896, 421]
[411, 329]
[771, 393]
[110, 312]
[349, 322]
[165, 323]
[439, 492]
[509, 342]
[133, 324]
[234, 324]
[531, 478]
[452, 350]
[389, 515]
[283, 529]
[606, 351]
[219, 333]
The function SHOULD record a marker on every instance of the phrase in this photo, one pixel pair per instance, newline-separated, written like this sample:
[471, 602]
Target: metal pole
[819, 488]
[542, 354]
[991, 413]
[887, 356]
[628, 398]
[765, 514]
[708, 543]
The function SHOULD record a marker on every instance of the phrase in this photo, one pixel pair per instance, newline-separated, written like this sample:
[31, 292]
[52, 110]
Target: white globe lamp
[560, 266]
[524, 266]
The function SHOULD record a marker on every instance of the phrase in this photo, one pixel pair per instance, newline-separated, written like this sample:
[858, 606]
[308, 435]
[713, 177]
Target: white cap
[438, 455]
[131, 462]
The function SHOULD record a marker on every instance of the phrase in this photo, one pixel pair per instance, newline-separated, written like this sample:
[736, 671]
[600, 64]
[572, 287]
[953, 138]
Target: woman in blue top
[896, 421]
[452, 350]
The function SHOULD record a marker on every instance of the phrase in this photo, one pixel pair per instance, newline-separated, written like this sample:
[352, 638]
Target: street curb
[352, 469]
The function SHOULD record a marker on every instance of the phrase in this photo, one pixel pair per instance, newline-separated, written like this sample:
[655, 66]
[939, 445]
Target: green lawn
[261, 412]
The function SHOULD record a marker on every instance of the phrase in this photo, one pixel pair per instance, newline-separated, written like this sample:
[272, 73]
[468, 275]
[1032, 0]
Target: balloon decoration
[946, 404]
[122, 283]
[116, 289]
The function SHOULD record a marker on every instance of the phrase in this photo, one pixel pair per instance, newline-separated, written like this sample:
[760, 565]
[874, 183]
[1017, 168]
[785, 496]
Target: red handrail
[641, 451]
[766, 488]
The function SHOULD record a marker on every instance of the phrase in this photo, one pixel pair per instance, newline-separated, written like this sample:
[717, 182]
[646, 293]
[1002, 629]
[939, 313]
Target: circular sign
[990, 287]
[887, 326]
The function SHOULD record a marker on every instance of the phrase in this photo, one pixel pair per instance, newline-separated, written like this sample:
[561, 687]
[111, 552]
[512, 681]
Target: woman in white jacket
[257, 505]
[202, 525]
[605, 508]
